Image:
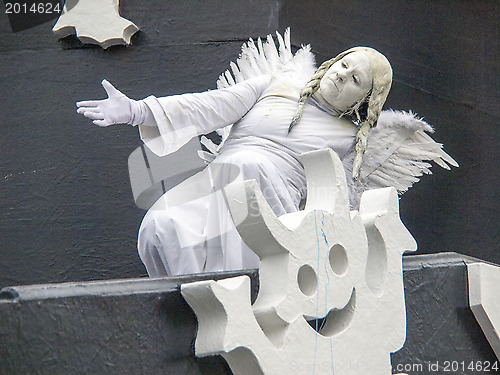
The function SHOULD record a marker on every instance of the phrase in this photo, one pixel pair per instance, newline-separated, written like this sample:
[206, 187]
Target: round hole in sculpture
[338, 259]
[307, 280]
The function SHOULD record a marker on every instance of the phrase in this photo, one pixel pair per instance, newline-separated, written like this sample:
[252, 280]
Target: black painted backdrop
[66, 208]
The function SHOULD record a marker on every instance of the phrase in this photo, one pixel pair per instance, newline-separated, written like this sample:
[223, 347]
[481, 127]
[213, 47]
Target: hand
[117, 109]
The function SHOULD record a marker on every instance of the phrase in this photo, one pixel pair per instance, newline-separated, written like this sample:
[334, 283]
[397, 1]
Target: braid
[360, 147]
[372, 114]
[310, 88]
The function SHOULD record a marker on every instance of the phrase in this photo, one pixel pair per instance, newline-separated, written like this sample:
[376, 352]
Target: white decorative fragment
[95, 22]
[326, 263]
[484, 300]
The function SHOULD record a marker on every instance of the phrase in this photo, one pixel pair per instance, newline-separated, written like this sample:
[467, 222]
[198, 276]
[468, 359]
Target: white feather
[263, 58]
[236, 72]
[398, 153]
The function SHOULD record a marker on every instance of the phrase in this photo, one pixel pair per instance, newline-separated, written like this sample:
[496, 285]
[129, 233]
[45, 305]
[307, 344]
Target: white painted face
[346, 82]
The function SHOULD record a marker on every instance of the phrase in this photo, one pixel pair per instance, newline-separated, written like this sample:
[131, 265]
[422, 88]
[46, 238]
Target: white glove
[117, 109]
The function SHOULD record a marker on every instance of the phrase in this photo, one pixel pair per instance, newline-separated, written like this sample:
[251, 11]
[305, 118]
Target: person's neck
[322, 104]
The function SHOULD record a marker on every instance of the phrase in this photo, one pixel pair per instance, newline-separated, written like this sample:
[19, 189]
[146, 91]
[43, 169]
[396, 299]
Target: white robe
[189, 229]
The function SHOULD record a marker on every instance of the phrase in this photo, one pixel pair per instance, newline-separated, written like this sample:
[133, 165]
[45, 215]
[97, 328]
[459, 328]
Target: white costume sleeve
[179, 118]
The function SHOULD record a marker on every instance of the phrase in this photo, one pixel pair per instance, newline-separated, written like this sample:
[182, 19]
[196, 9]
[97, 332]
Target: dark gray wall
[66, 208]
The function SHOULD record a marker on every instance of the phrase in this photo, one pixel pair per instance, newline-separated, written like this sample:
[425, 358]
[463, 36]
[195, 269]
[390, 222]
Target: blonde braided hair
[375, 98]
[309, 89]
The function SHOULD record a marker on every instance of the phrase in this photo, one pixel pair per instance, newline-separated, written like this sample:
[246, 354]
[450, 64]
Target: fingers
[89, 103]
[97, 117]
[110, 89]
[82, 110]
[101, 123]
[94, 115]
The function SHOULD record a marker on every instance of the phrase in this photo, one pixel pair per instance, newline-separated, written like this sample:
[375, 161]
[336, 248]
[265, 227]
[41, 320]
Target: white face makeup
[346, 82]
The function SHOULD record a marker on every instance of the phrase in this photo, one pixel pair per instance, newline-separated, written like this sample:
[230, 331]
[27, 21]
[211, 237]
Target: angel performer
[270, 108]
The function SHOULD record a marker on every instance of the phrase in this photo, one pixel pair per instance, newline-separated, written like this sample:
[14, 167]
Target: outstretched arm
[168, 123]
[179, 118]
[116, 109]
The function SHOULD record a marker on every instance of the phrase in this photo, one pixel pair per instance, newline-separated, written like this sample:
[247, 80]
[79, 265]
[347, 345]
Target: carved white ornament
[95, 22]
[321, 262]
[484, 300]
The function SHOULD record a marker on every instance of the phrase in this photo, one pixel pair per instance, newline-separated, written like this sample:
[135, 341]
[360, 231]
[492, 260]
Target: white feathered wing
[398, 153]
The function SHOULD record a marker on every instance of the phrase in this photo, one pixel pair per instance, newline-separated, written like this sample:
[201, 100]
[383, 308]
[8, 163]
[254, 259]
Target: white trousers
[190, 230]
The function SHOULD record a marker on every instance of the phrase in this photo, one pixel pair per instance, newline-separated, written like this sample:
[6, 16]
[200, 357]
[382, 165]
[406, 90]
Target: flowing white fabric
[179, 118]
[189, 229]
